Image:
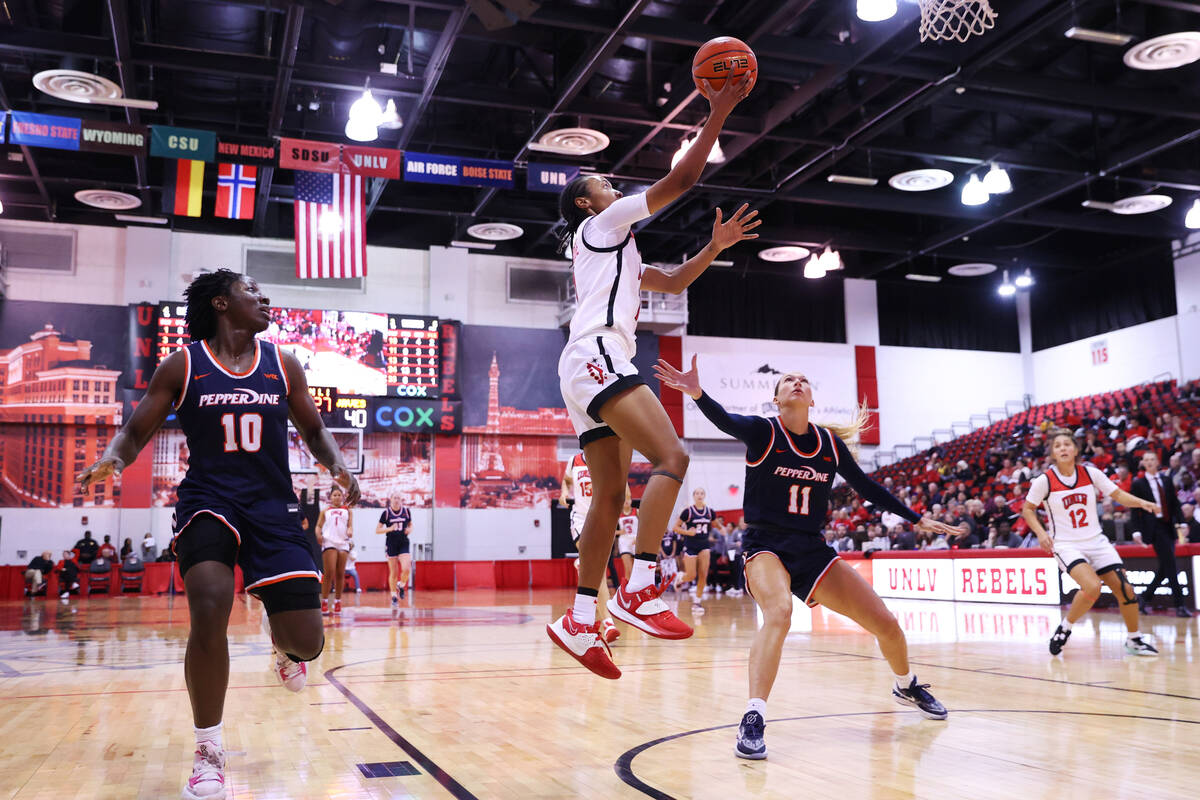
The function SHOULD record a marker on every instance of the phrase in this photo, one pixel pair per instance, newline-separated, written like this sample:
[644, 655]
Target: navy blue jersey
[789, 477]
[236, 428]
[698, 520]
[402, 517]
[670, 543]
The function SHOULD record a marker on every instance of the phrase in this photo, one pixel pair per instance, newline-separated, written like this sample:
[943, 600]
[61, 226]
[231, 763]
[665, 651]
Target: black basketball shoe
[750, 742]
[1058, 640]
[915, 695]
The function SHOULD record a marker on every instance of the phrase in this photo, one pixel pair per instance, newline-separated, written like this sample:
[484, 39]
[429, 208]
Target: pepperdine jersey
[697, 520]
[236, 429]
[1070, 504]
[403, 517]
[607, 269]
[789, 476]
[581, 492]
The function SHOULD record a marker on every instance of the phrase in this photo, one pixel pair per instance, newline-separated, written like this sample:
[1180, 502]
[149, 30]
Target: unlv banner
[741, 376]
[376, 162]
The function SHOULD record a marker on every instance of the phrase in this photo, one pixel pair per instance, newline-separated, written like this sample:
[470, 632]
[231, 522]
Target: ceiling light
[787, 252]
[1024, 281]
[495, 231]
[1165, 52]
[474, 245]
[974, 193]
[108, 199]
[1098, 37]
[996, 181]
[137, 218]
[813, 268]
[916, 276]
[570, 142]
[972, 270]
[921, 180]
[361, 131]
[365, 110]
[852, 180]
[720, 262]
[715, 156]
[876, 10]
[1, 207]
[830, 260]
[1006, 289]
[391, 118]
[330, 224]
[1192, 220]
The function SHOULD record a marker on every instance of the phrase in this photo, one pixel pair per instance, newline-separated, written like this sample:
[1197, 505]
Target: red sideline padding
[512, 575]
[474, 575]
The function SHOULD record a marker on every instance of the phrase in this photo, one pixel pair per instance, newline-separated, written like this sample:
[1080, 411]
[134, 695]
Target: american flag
[331, 226]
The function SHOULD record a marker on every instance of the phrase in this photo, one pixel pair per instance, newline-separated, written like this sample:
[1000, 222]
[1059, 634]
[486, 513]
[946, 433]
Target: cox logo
[403, 416]
[412, 391]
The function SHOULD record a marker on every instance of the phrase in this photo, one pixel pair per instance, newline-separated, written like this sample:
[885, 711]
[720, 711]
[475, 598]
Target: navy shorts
[272, 547]
[695, 545]
[396, 544]
[805, 556]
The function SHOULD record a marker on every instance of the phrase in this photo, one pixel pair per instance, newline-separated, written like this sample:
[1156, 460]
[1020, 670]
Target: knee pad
[1128, 596]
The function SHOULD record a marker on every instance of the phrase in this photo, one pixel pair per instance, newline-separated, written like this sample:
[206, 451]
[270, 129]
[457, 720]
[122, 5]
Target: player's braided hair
[201, 316]
[570, 212]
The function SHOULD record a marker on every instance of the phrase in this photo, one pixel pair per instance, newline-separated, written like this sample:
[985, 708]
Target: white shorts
[627, 543]
[1096, 551]
[590, 372]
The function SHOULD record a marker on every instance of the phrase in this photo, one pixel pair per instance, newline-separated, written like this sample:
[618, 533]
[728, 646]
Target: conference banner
[744, 382]
[242, 150]
[306, 156]
[185, 144]
[375, 162]
[44, 130]
[549, 177]
[457, 171]
[114, 137]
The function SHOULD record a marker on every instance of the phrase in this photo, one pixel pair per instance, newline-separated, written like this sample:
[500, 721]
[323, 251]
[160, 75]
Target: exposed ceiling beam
[34, 172]
[583, 71]
[118, 20]
[284, 70]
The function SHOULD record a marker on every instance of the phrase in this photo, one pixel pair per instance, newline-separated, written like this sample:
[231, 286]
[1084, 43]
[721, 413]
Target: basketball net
[955, 20]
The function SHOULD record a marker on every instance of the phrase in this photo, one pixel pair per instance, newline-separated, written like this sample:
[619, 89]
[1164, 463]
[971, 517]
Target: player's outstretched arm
[165, 385]
[308, 422]
[726, 233]
[1133, 501]
[754, 432]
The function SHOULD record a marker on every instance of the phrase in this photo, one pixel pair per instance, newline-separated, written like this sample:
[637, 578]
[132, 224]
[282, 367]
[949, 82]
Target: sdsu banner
[310, 156]
[744, 382]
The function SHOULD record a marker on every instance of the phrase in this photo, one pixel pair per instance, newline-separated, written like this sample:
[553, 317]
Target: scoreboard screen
[355, 352]
[387, 414]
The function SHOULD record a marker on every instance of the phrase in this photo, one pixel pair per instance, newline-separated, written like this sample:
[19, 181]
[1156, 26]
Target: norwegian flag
[331, 225]
[235, 191]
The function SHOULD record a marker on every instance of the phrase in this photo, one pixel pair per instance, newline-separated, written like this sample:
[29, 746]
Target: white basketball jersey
[581, 481]
[608, 283]
[627, 525]
[336, 530]
[1070, 504]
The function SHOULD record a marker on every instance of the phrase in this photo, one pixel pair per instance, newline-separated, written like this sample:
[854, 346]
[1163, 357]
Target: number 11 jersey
[1070, 503]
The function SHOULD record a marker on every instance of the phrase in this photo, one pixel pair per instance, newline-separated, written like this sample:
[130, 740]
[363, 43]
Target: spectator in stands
[1101, 459]
[1003, 537]
[68, 574]
[1187, 487]
[87, 547]
[1123, 458]
[1175, 467]
[107, 550]
[149, 547]
[1189, 529]
[938, 543]
[36, 574]
[737, 562]
[1123, 479]
[967, 539]
[902, 537]
[126, 548]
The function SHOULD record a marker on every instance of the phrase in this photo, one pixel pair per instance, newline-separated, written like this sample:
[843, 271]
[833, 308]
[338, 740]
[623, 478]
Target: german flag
[183, 188]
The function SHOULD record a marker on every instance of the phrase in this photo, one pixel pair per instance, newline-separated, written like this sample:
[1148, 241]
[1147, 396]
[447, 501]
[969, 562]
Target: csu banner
[549, 177]
[44, 130]
[456, 171]
[185, 144]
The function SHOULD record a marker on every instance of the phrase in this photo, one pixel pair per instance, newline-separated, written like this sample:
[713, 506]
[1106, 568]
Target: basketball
[721, 58]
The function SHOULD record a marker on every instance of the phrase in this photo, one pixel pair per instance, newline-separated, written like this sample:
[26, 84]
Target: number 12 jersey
[1070, 503]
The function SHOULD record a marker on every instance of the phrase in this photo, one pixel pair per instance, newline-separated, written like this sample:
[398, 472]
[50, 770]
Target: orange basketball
[721, 58]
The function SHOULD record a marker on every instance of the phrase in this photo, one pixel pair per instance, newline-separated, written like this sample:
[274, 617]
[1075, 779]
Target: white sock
[584, 611]
[757, 704]
[211, 735]
[641, 576]
[1133, 635]
[1065, 625]
[904, 681]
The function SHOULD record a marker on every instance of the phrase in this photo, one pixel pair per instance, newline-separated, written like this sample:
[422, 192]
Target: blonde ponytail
[849, 432]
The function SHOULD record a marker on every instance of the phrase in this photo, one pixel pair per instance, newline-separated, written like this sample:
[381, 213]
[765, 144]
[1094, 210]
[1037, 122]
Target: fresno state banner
[307, 156]
[377, 162]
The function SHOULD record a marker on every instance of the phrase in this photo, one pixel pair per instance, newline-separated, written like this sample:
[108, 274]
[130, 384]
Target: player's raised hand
[102, 470]
[727, 234]
[686, 382]
[342, 477]
[930, 525]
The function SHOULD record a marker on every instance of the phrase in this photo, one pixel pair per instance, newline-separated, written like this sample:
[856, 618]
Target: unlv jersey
[581, 480]
[787, 487]
[1070, 504]
[236, 428]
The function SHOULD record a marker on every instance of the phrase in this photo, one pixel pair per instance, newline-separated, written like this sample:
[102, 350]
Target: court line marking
[456, 789]
[623, 766]
[336, 730]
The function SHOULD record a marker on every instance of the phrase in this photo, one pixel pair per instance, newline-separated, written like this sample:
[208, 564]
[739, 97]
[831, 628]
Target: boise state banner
[456, 171]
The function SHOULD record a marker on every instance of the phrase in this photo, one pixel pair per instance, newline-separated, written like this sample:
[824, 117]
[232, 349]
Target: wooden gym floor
[465, 694]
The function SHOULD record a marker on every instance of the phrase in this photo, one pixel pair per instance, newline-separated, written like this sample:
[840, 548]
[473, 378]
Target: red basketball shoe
[645, 611]
[585, 644]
